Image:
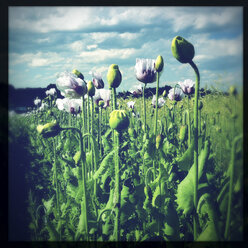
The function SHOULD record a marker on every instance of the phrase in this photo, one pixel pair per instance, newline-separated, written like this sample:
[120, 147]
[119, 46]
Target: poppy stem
[156, 111]
[193, 65]
[230, 195]
[56, 186]
[189, 124]
[117, 188]
[144, 107]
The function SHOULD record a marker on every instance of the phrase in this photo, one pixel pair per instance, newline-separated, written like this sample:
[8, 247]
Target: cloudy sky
[44, 41]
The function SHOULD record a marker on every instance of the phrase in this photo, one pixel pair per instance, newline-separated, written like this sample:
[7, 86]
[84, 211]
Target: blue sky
[44, 41]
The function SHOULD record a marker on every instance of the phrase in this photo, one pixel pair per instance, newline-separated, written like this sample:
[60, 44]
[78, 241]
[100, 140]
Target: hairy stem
[196, 144]
[144, 106]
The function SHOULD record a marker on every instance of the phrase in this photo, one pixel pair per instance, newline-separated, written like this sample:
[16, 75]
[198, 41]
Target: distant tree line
[24, 97]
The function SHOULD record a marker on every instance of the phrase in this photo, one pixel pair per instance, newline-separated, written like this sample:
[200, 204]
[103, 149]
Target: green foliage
[156, 184]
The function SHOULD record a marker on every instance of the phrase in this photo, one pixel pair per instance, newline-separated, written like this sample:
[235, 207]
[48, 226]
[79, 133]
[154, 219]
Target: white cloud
[34, 60]
[208, 48]
[100, 55]
[202, 17]
[89, 47]
[77, 46]
[43, 40]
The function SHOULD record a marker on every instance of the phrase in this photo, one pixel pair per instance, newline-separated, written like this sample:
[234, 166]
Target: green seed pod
[183, 132]
[132, 132]
[48, 130]
[77, 157]
[114, 76]
[78, 74]
[212, 121]
[233, 91]
[164, 93]
[234, 116]
[182, 50]
[119, 120]
[218, 129]
[101, 103]
[91, 88]
[159, 141]
[203, 125]
[159, 63]
[200, 105]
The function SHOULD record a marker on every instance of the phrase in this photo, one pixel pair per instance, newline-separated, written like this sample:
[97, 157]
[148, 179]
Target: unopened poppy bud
[159, 140]
[234, 116]
[164, 93]
[101, 103]
[182, 50]
[218, 129]
[78, 74]
[119, 120]
[200, 105]
[132, 132]
[183, 132]
[159, 63]
[91, 88]
[77, 157]
[114, 76]
[233, 91]
[48, 130]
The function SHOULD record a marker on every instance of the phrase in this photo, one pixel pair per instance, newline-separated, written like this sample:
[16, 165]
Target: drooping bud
[159, 141]
[182, 50]
[164, 93]
[48, 130]
[101, 103]
[91, 88]
[78, 74]
[114, 76]
[77, 157]
[119, 120]
[200, 105]
[183, 132]
[132, 132]
[159, 64]
[233, 91]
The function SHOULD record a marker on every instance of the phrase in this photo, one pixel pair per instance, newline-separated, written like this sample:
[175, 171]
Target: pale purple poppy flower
[69, 105]
[187, 86]
[136, 90]
[131, 104]
[145, 70]
[97, 80]
[37, 101]
[104, 95]
[161, 102]
[70, 85]
[51, 92]
[175, 96]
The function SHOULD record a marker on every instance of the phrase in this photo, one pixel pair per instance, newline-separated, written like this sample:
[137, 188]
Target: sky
[45, 41]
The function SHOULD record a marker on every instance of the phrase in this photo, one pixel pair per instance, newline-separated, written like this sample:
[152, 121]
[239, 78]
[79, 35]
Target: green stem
[230, 195]
[83, 119]
[114, 98]
[99, 130]
[144, 106]
[117, 189]
[196, 145]
[92, 121]
[156, 110]
[56, 185]
[83, 203]
[189, 124]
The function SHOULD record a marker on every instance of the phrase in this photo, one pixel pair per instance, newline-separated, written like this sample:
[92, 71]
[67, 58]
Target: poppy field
[160, 168]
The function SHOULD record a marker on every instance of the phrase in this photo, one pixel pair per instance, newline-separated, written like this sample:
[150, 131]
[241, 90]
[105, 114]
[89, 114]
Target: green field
[156, 174]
